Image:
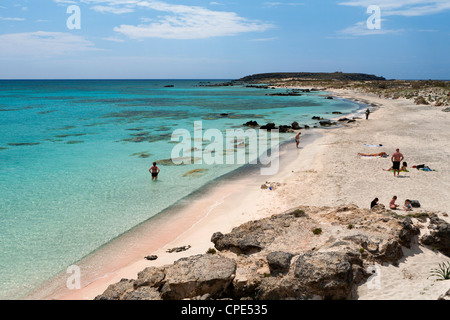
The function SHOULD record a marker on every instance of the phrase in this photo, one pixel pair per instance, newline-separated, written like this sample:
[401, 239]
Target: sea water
[74, 160]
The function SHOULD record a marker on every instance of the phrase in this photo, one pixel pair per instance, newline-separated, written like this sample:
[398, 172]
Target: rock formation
[280, 257]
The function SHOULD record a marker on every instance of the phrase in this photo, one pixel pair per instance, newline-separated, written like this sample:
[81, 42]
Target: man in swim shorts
[154, 171]
[396, 158]
[297, 139]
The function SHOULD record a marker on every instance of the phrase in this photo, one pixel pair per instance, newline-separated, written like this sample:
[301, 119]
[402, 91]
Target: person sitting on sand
[154, 171]
[404, 168]
[392, 204]
[373, 203]
[381, 154]
[407, 206]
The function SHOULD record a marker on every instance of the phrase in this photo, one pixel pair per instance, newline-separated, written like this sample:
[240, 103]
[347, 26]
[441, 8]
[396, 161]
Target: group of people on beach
[392, 205]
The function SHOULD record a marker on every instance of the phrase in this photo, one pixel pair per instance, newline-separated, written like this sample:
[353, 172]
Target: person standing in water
[297, 139]
[154, 171]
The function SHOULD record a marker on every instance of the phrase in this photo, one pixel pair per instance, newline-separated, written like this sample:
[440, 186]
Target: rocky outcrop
[280, 257]
[445, 296]
[439, 236]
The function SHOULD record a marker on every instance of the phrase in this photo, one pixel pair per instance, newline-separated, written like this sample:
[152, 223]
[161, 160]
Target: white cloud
[277, 4]
[43, 44]
[110, 9]
[403, 7]
[264, 39]
[360, 29]
[11, 19]
[190, 22]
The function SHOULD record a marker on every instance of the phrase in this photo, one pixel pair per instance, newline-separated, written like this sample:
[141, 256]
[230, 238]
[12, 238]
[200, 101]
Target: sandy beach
[325, 171]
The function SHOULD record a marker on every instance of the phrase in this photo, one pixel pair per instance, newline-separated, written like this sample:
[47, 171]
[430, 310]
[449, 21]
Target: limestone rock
[117, 291]
[439, 237]
[279, 262]
[198, 275]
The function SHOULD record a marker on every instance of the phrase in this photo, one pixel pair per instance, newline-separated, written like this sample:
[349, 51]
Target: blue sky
[225, 39]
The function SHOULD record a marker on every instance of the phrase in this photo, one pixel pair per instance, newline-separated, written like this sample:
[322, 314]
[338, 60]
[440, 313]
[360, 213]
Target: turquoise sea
[75, 154]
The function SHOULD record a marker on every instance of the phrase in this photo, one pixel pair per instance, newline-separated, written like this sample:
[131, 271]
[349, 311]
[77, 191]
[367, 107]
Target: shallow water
[75, 157]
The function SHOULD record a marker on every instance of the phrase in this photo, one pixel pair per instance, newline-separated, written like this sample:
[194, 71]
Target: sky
[223, 39]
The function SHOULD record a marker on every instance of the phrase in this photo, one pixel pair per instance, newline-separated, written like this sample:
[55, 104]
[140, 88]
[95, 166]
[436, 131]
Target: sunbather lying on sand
[381, 154]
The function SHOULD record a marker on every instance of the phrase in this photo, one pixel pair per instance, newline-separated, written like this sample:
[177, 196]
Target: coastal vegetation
[424, 92]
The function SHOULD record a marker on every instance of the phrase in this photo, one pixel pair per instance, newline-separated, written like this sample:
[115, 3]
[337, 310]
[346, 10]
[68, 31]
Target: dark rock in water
[336, 112]
[439, 236]
[330, 98]
[269, 126]
[151, 258]
[169, 86]
[284, 129]
[343, 119]
[351, 120]
[251, 124]
[326, 123]
[224, 114]
[284, 94]
[23, 144]
[316, 118]
[295, 125]
[306, 126]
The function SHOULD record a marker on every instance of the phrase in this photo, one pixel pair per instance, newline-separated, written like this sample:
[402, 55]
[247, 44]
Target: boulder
[150, 277]
[279, 262]
[445, 296]
[116, 291]
[439, 236]
[284, 129]
[326, 123]
[269, 126]
[198, 275]
[237, 242]
[295, 125]
[330, 275]
[251, 123]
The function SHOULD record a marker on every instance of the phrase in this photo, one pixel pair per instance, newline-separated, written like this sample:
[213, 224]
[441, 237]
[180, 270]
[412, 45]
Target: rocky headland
[304, 253]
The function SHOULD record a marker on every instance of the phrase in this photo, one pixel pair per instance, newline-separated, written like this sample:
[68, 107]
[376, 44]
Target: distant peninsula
[338, 76]
[425, 92]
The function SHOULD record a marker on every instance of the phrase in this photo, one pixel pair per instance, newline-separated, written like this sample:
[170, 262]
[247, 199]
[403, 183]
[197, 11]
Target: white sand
[324, 173]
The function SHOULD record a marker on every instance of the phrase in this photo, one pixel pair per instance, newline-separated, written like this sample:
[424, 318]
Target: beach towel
[401, 170]
[373, 145]
[427, 169]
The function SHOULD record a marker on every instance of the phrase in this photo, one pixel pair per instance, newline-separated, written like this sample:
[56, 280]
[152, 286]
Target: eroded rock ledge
[306, 253]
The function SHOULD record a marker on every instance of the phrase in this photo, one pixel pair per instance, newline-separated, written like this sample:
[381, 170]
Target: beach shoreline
[326, 172]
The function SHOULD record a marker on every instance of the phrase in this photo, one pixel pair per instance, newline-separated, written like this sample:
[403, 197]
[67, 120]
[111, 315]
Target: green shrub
[442, 272]
[317, 231]
[298, 213]
[211, 251]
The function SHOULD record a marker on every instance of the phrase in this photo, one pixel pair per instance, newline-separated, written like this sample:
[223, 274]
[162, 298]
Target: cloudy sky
[223, 39]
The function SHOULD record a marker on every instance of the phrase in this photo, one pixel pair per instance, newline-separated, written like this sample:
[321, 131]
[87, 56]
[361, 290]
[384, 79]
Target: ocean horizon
[75, 156]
